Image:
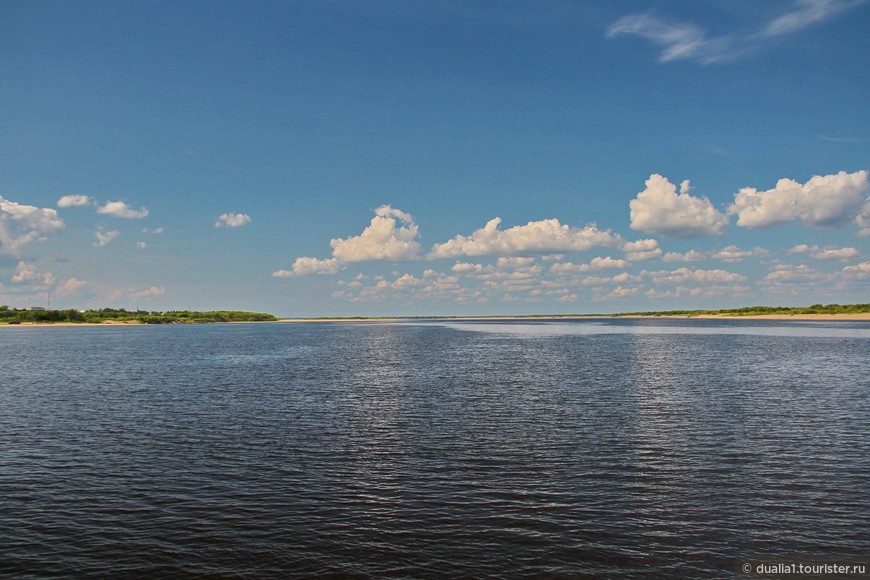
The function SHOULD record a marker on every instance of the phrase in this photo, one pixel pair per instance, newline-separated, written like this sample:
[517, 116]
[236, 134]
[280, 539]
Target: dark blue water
[616, 448]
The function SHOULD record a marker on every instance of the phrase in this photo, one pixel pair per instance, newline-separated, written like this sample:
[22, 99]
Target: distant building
[36, 308]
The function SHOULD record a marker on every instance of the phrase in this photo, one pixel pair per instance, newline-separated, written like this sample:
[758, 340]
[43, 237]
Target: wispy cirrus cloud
[689, 42]
[807, 13]
[678, 40]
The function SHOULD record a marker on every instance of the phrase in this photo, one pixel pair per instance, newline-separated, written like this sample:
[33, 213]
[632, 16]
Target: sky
[407, 157]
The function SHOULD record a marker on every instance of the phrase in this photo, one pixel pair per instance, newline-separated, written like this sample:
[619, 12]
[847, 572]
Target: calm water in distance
[432, 449]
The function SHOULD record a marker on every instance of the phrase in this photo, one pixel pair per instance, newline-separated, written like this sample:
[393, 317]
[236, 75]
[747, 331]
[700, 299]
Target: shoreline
[862, 316]
[803, 317]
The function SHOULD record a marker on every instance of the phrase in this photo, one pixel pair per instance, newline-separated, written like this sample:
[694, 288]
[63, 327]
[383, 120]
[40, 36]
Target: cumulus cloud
[543, 236]
[104, 237]
[73, 201]
[232, 220]
[155, 231]
[825, 201]
[790, 274]
[863, 220]
[686, 275]
[391, 236]
[735, 254]
[305, 266]
[594, 264]
[29, 274]
[826, 253]
[383, 239]
[71, 286]
[690, 256]
[432, 285]
[861, 270]
[619, 292]
[641, 250]
[22, 224]
[122, 210]
[659, 209]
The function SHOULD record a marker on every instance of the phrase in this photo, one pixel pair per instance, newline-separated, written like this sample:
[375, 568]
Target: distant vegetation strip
[735, 312]
[759, 311]
[18, 316]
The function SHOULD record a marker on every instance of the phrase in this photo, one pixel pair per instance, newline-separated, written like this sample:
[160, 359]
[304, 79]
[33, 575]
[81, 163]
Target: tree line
[19, 315]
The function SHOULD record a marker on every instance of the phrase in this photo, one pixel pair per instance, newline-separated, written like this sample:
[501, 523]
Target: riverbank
[818, 317]
[797, 317]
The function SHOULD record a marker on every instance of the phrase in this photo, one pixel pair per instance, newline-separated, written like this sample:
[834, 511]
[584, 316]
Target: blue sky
[344, 158]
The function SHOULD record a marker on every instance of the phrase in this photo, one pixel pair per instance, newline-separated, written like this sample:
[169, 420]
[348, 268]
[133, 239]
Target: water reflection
[544, 329]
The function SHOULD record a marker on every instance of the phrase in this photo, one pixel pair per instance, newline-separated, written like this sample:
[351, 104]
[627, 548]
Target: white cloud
[153, 292]
[731, 291]
[383, 239]
[679, 40]
[822, 202]
[863, 220]
[641, 250]
[104, 237]
[543, 236]
[619, 292]
[467, 268]
[29, 274]
[305, 266]
[122, 210]
[687, 41]
[788, 273]
[861, 270]
[23, 224]
[73, 201]
[690, 256]
[141, 245]
[594, 264]
[684, 275]
[735, 254]
[659, 209]
[514, 263]
[809, 12]
[729, 254]
[826, 253]
[156, 231]
[606, 262]
[232, 220]
[71, 286]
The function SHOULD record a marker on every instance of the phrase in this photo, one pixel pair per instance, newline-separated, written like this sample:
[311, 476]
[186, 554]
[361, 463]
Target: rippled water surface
[432, 449]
